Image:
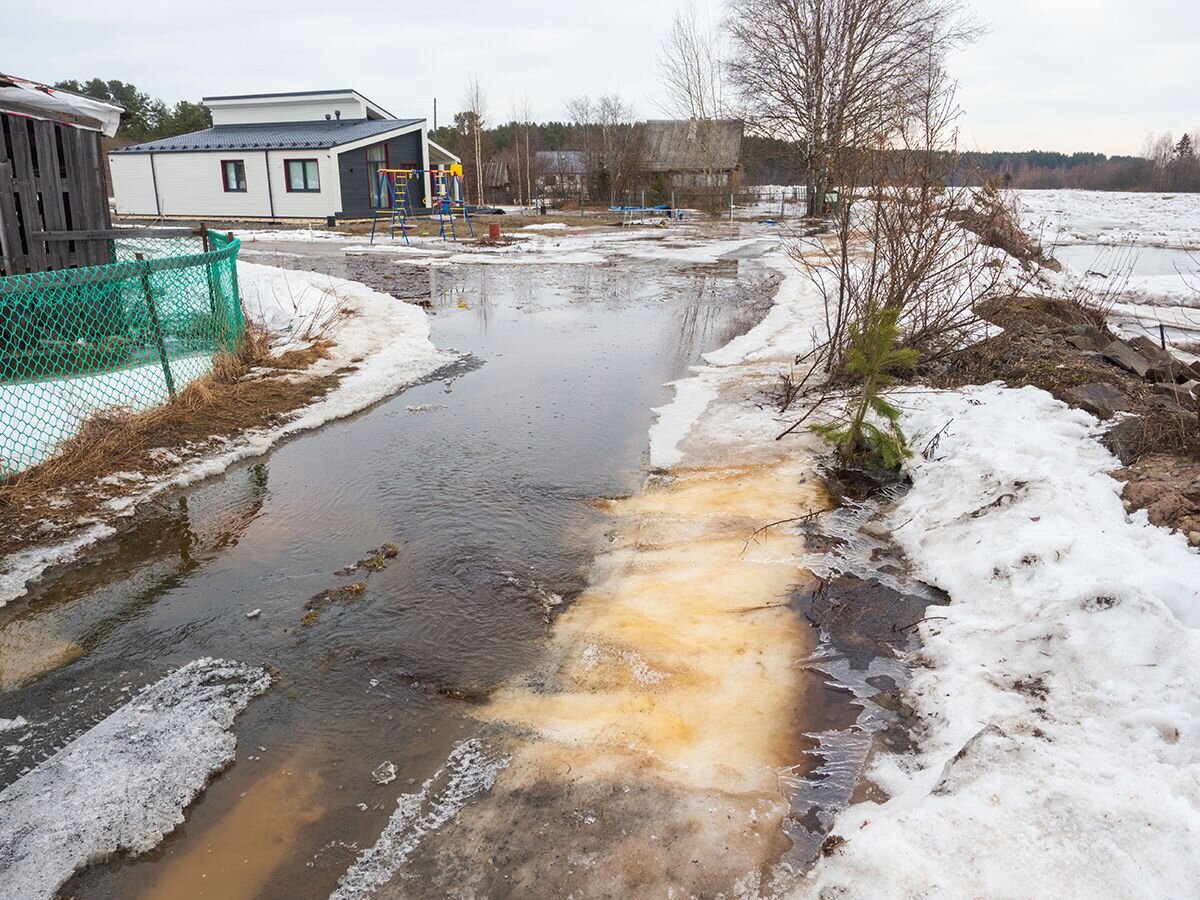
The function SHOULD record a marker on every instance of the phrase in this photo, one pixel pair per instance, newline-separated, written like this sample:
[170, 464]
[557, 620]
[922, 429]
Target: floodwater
[491, 481]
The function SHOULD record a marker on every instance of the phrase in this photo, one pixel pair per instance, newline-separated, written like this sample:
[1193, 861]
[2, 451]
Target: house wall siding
[308, 109]
[404, 151]
[132, 184]
[189, 184]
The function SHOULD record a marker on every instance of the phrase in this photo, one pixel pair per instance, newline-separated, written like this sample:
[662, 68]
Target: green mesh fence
[127, 335]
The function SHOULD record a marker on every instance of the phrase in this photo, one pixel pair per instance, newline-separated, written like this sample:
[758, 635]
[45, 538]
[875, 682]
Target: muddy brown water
[486, 478]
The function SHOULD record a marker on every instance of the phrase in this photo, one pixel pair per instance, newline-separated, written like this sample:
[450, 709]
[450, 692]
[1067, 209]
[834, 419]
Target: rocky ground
[1149, 397]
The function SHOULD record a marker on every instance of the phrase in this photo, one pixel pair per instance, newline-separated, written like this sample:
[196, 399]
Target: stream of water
[487, 481]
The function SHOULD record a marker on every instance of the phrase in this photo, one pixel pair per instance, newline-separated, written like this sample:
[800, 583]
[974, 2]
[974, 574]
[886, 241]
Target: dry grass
[245, 390]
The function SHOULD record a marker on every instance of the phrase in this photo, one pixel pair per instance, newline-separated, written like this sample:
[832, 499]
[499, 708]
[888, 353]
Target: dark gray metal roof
[283, 94]
[315, 135]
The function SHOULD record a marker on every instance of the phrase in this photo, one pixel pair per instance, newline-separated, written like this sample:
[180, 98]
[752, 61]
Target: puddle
[234, 857]
[485, 482]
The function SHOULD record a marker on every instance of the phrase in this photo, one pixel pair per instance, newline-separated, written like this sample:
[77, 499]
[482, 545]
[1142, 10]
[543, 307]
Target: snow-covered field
[1108, 217]
[1138, 252]
[1142, 248]
[122, 785]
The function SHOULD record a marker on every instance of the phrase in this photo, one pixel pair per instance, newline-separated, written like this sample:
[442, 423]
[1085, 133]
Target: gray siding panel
[403, 152]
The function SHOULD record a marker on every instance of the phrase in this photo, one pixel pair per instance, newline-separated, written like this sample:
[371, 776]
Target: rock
[1121, 354]
[1153, 353]
[1171, 405]
[1192, 491]
[876, 530]
[1183, 394]
[1088, 337]
[1194, 538]
[1100, 398]
[1124, 440]
[1194, 369]
[253, 614]
[1169, 373]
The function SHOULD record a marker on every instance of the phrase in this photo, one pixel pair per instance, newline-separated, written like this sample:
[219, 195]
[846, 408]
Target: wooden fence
[51, 182]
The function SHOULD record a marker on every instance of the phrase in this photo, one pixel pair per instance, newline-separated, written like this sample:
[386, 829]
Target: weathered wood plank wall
[51, 180]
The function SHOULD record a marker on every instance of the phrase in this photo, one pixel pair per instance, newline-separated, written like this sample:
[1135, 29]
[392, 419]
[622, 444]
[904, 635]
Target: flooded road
[486, 481]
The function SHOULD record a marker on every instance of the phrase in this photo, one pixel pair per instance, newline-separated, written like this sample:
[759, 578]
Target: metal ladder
[395, 183]
[443, 184]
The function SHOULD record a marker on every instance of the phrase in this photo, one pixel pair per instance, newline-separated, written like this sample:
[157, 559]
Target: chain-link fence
[127, 335]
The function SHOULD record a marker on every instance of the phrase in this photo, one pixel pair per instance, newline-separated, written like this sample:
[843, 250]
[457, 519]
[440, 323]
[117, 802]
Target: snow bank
[1058, 698]
[124, 784]
[758, 355]
[384, 339]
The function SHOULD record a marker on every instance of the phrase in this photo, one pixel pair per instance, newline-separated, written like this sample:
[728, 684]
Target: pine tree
[873, 356]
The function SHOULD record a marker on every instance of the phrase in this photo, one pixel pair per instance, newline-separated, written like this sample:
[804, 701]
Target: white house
[305, 154]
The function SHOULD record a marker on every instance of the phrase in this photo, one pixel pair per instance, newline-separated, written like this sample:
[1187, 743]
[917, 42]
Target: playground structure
[447, 198]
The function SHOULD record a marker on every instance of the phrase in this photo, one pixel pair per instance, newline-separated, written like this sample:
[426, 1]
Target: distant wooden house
[693, 153]
[53, 193]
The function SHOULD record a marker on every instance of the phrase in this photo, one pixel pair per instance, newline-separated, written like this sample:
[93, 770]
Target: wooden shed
[53, 197]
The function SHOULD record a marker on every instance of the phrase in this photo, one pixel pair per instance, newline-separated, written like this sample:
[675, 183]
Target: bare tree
[691, 67]
[692, 71]
[526, 117]
[581, 113]
[475, 102]
[834, 73]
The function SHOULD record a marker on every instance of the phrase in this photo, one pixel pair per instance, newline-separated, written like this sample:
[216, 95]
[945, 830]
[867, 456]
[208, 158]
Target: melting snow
[123, 785]
[1059, 698]
[469, 770]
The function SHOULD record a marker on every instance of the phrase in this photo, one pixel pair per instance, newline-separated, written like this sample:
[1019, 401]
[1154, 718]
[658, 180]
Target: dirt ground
[1045, 344]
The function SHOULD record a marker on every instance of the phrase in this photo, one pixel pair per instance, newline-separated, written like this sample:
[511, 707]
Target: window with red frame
[302, 176]
[233, 175]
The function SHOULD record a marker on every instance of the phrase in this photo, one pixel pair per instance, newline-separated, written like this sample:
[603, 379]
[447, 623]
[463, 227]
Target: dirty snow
[1058, 695]
[62, 405]
[122, 785]
[385, 340]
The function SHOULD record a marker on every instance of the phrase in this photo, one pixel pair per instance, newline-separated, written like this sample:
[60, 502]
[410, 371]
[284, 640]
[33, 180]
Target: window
[233, 174]
[302, 175]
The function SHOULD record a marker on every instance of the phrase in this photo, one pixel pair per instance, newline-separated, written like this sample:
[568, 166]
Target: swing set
[448, 199]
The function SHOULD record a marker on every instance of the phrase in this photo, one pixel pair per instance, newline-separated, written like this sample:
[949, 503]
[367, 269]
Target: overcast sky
[1050, 74]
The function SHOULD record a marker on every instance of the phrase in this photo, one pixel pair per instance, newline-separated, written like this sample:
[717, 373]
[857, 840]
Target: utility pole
[435, 113]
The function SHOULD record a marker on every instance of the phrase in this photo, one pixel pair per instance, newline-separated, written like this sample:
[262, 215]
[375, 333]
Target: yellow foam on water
[682, 654]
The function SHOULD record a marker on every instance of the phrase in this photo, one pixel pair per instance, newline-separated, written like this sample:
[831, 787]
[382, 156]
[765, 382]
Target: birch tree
[833, 73]
[475, 102]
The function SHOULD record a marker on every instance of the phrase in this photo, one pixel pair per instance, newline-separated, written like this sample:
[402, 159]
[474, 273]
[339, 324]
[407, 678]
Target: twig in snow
[918, 622]
[931, 447]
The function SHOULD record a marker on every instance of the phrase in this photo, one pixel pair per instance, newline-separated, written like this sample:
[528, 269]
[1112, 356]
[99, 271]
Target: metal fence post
[156, 326]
